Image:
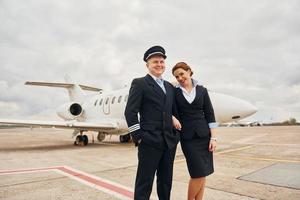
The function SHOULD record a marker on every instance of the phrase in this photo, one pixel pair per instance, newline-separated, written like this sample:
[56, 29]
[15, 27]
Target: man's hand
[136, 138]
[137, 143]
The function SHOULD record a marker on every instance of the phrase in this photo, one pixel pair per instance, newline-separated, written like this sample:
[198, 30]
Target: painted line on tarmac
[220, 152]
[117, 190]
[233, 150]
[226, 153]
[262, 159]
[30, 170]
[276, 144]
[248, 139]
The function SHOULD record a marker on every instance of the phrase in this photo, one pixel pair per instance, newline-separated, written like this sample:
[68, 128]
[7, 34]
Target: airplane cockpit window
[119, 99]
[106, 100]
[113, 100]
[95, 102]
[126, 97]
[100, 103]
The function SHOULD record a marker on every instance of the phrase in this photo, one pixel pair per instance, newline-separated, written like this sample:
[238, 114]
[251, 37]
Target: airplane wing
[86, 126]
[62, 85]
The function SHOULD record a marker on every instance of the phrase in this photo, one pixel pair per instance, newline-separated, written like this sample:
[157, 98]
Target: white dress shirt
[190, 97]
[159, 81]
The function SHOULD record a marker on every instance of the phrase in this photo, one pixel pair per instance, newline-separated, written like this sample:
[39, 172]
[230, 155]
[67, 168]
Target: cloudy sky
[248, 49]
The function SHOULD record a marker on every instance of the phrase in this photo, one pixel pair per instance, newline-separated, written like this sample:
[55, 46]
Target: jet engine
[70, 111]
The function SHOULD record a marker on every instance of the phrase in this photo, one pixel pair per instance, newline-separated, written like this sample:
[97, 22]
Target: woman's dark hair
[183, 66]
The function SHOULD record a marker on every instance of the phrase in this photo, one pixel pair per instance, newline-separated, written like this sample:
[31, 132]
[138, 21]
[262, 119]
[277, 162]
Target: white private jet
[104, 112]
[243, 123]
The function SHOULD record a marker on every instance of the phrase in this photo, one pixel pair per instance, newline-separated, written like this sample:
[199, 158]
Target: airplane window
[95, 102]
[126, 97]
[113, 100]
[100, 103]
[120, 99]
[106, 101]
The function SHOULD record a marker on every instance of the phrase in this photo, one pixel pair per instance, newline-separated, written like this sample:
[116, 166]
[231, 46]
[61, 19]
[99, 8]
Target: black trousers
[151, 160]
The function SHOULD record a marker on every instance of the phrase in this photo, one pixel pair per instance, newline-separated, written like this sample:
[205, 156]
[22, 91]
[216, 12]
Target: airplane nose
[243, 109]
[230, 108]
[250, 109]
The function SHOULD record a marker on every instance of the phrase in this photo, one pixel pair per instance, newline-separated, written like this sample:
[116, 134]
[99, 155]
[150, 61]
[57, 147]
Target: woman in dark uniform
[198, 140]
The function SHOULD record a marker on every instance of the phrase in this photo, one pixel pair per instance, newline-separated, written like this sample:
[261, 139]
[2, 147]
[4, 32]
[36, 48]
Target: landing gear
[85, 140]
[125, 138]
[82, 140]
[101, 136]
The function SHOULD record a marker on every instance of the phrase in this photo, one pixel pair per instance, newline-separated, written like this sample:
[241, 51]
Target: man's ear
[147, 64]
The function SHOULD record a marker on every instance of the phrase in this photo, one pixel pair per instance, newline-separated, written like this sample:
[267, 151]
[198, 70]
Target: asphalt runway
[250, 163]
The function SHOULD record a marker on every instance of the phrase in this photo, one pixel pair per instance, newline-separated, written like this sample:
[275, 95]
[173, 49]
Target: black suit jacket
[195, 117]
[155, 109]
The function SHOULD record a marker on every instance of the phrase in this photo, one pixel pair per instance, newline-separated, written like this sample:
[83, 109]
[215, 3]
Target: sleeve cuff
[213, 125]
[134, 128]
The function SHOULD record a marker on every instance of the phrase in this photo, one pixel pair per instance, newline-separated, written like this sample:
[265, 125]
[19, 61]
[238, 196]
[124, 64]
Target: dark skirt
[198, 158]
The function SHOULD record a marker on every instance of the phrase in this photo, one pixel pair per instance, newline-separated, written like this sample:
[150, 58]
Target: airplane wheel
[101, 136]
[85, 140]
[121, 137]
[124, 138]
[79, 140]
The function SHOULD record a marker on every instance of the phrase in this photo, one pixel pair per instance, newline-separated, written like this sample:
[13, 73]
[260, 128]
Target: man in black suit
[153, 99]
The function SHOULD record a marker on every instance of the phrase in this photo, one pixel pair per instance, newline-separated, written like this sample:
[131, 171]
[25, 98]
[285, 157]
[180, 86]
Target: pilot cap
[155, 50]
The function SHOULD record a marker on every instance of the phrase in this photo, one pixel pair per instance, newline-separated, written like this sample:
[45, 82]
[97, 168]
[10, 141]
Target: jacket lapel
[169, 93]
[154, 86]
[197, 97]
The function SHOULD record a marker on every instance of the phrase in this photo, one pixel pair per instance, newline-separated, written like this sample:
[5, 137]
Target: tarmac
[250, 163]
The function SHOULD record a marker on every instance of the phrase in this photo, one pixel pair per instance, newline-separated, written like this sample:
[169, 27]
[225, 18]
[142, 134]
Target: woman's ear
[190, 72]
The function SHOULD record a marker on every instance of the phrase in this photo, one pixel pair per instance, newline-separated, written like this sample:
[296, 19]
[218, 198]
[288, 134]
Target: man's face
[156, 65]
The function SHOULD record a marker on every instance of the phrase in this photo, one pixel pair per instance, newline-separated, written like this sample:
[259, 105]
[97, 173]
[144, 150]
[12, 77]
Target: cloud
[248, 50]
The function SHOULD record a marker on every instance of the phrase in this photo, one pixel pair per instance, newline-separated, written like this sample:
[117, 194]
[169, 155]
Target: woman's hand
[176, 123]
[212, 145]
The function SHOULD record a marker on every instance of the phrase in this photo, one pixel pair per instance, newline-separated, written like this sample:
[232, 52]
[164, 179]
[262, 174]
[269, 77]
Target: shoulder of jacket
[170, 84]
[138, 80]
[201, 87]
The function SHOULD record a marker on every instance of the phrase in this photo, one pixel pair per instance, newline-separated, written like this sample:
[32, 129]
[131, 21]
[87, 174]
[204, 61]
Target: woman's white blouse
[191, 96]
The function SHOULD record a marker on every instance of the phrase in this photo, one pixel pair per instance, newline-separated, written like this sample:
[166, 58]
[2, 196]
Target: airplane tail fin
[75, 91]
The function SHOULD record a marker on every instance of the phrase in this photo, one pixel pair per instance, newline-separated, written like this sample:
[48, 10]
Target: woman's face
[183, 77]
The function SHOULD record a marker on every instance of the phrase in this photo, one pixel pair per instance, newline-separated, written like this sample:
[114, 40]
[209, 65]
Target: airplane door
[106, 106]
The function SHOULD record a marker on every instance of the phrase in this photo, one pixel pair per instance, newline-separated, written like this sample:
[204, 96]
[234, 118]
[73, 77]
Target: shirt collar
[194, 82]
[155, 78]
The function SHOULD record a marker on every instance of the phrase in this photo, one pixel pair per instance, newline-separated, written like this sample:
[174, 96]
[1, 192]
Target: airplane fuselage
[104, 112]
[109, 106]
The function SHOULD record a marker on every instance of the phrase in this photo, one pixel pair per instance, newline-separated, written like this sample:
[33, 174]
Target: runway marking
[220, 152]
[250, 138]
[262, 159]
[232, 150]
[117, 190]
[275, 144]
[225, 153]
